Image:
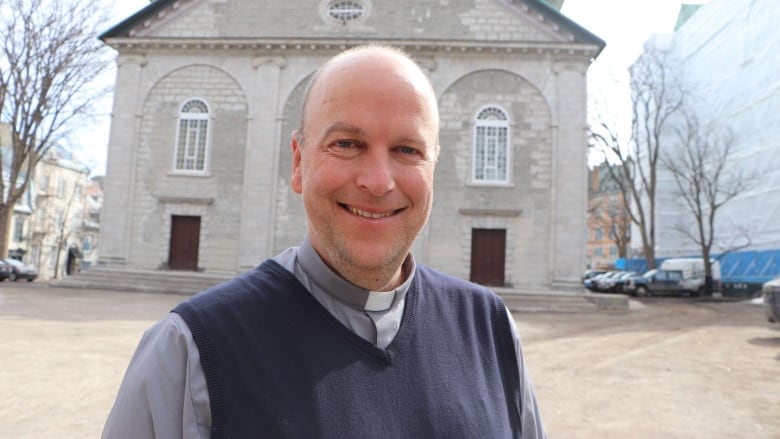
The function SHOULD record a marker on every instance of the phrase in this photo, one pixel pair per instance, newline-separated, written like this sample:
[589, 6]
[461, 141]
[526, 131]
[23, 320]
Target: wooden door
[185, 240]
[488, 249]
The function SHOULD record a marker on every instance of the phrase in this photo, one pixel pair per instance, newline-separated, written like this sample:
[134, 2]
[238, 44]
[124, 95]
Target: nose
[375, 174]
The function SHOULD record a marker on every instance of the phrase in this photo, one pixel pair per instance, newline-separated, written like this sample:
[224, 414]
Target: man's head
[363, 159]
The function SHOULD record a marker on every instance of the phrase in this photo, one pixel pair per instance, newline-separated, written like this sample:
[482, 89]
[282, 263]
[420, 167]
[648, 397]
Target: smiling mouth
[366, 214]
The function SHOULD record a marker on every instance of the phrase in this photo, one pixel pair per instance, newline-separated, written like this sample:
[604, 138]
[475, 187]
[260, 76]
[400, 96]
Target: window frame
[182, 116]
[18, 230]
[337, 11]
[504, 124]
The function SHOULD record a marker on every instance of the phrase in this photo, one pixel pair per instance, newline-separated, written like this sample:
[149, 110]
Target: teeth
[365, 214]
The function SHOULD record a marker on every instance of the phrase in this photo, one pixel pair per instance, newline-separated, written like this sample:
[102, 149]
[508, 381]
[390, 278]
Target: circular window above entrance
[345, 12]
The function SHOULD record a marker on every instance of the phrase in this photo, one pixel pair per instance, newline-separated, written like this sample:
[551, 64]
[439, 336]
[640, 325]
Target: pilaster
[261, 161]
[121, 162]
[569, 207]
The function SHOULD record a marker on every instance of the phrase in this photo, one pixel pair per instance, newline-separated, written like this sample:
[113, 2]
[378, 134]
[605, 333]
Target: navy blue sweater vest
[278, 365]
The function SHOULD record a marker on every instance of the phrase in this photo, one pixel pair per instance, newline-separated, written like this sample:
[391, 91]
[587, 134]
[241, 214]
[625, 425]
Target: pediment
[460, 22]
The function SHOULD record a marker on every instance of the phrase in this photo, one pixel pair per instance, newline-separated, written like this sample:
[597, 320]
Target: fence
[742, 273]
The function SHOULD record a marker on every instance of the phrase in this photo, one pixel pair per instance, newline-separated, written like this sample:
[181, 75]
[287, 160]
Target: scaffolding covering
[729, 52]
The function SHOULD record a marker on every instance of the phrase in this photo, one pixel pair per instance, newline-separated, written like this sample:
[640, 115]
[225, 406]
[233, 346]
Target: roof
[686, 12]
[548, 11]
[580, 32]
[124, 26]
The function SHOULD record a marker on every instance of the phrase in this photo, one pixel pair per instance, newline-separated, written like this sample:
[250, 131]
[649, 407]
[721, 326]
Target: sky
[623, 24]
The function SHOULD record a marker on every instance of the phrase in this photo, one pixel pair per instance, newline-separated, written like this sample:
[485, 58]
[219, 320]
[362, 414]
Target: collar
[345, 291]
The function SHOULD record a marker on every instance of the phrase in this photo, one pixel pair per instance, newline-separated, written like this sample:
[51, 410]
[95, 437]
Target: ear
[296, 179]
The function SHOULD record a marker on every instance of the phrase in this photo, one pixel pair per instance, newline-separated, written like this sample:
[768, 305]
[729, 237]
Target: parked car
[693, 273]
[5, 270]
[587, 278]
[21, 271]
[770, 292]
[656, 282]
[603, 283]
[617, 283]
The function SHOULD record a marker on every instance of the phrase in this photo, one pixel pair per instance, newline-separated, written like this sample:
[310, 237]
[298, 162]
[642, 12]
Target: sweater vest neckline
[313, 306]
[279, 364]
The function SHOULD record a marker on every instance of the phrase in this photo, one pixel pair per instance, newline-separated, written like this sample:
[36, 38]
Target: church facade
[208, 92]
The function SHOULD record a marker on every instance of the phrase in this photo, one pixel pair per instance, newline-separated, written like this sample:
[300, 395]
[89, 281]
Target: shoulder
[251, 285]
[431, 280]
[429, 275]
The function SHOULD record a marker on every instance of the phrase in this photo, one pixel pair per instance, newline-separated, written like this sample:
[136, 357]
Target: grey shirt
[164, 393]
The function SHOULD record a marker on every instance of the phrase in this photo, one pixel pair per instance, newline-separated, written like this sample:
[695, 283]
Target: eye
[345, 148]
[344, 144]
[407, 150]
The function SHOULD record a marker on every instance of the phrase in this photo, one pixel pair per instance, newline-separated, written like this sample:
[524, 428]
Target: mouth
[367, 214]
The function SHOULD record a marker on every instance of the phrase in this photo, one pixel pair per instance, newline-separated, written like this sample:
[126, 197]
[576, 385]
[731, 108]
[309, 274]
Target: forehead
[379, 73]
[376, 77]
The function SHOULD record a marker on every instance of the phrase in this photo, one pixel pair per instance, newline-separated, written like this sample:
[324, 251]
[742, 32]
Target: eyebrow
[352, 129]
[343, 127]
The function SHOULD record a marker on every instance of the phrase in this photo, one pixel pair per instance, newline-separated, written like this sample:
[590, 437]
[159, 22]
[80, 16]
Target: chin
[377, 257]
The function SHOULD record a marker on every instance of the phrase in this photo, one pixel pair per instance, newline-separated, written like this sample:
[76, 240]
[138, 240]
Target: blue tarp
[749, 266]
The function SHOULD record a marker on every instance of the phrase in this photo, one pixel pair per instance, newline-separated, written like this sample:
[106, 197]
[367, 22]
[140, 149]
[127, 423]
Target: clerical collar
[345, 291]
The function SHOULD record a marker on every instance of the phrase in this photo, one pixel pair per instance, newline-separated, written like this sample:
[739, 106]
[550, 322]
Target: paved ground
[669, 368]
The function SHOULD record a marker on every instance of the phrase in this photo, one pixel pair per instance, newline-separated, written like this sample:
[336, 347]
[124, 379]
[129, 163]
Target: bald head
[368, 62]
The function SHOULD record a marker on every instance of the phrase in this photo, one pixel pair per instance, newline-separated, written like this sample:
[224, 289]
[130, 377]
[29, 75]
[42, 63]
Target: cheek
[322, 177]
[419, 185]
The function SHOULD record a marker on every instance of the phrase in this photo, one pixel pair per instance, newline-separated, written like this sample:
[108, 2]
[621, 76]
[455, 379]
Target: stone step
[555, 301]
[151, 281]
[189, 283]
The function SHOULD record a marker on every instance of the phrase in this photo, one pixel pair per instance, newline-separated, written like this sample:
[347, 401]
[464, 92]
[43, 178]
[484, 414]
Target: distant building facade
[208, 93]
[727, 50]
[48, 224]
[608, 222]
[56, 228]
[90, 237]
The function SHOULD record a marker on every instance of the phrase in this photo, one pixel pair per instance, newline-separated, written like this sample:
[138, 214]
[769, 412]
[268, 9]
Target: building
[208, 92]
[93, 203]
[19, 221]
[727, 51]
[722, 50]
[56, 227]
[608, 222]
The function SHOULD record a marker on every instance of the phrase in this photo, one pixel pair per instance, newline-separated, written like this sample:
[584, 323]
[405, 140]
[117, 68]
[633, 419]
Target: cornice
[287, 46]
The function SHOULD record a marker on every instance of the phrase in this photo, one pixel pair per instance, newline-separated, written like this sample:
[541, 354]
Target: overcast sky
[624, 24]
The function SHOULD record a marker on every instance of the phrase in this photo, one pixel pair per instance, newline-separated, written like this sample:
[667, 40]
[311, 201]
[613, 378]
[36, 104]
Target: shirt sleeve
[532, 427]
[164, 392]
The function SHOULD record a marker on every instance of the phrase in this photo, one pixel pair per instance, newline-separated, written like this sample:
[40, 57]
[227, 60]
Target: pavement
[664, 368]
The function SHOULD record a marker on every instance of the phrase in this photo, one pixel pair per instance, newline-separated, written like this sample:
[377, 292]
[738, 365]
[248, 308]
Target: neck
[383, 279]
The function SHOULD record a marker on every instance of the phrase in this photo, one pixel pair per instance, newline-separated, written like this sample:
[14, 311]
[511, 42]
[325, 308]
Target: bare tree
[657, 93]
[50, 59]
[705, 182]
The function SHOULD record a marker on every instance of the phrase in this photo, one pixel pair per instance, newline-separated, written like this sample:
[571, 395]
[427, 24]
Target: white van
[693, 272]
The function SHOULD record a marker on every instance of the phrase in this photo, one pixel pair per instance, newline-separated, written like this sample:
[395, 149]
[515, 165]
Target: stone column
[121, 163]
[261, 162]
[569, 207]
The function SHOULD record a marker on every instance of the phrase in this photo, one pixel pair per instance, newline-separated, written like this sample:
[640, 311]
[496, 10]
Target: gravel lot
[669, 368]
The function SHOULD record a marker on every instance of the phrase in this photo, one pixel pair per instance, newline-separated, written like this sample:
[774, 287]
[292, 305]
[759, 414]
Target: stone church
[208, 92]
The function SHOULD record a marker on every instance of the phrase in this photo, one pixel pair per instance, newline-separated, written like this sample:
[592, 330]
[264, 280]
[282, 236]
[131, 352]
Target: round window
[345, 11]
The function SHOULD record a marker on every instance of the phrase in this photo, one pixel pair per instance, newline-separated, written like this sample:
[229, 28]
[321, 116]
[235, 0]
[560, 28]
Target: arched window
[192, 137]
[491, 146]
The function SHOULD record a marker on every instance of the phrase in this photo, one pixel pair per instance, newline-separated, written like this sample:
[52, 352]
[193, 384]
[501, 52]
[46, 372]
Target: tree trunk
[5, 220]
[708, 285]
[57, 262]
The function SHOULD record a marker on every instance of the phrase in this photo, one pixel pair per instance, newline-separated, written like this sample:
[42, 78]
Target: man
[345, 336]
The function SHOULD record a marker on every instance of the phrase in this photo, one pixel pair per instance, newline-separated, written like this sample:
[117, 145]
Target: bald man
[344, 336]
